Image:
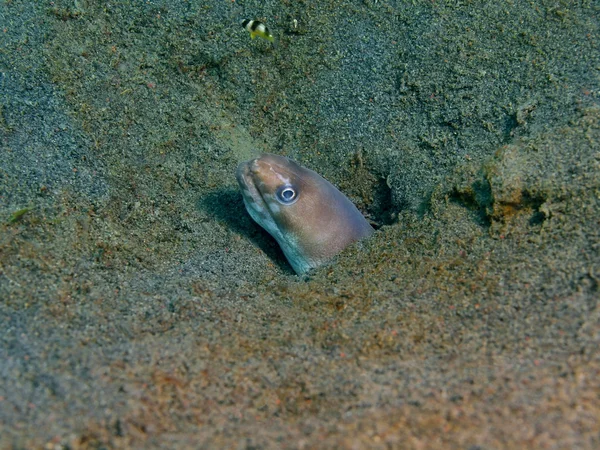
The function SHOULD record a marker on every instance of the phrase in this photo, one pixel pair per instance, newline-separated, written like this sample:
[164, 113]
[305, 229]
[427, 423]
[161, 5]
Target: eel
[308, 217]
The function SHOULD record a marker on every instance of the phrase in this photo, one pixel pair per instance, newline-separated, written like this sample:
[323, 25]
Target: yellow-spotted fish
[257, 28]
[310, 219]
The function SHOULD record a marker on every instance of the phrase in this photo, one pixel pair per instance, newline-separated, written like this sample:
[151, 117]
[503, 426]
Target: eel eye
[287, 195]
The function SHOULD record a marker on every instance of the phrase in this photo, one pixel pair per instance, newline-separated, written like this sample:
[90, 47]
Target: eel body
[310, 219]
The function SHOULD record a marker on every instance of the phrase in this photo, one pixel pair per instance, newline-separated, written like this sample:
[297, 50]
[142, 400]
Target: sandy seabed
[142, 308]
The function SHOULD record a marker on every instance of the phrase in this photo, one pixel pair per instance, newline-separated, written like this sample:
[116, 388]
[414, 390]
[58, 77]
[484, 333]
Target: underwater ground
[140, 306]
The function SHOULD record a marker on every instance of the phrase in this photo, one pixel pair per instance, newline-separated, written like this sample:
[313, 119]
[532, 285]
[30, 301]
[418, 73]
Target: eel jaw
[255, 204]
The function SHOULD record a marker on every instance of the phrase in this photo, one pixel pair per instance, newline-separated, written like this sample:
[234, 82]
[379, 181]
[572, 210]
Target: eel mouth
[242, 174]
[245, 175]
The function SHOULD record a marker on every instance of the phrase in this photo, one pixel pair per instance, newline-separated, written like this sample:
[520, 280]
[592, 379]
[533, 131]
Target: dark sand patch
[142, 308]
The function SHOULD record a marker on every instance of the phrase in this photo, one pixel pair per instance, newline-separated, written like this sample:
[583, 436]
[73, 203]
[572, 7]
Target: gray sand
[142, 308]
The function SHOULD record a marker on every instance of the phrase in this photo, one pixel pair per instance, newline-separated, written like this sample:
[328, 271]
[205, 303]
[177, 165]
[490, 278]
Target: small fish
[310, 219]
[257, 28]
